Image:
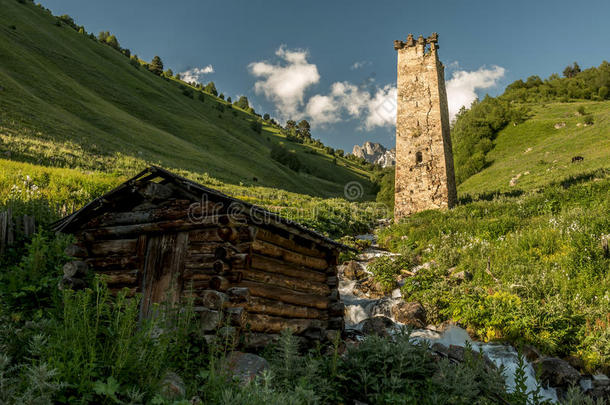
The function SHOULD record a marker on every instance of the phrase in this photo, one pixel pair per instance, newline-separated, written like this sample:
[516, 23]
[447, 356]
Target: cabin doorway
[162, 271]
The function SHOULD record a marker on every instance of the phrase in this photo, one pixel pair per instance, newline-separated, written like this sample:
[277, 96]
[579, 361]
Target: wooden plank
[285, 295]
[113, 262]
[29, 225]
[269, 249]
[293, 283]
[120, 277]
[113, 247]
[278, 266]
[3, 230]
[10, 228]
[205, 247]
[277, 308]
[272, 237]
[274, 324]
[205, 235]
[162, 279]
[176, 210]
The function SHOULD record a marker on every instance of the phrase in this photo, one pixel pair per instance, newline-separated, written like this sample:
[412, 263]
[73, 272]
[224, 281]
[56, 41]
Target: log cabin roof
[123, 196]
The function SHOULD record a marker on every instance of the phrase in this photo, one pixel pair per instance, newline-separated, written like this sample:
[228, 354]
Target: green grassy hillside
[535, 153]
[67, 100]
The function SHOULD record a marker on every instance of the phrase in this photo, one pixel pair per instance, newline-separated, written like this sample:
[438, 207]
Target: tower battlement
[424, 160]
[421, 42]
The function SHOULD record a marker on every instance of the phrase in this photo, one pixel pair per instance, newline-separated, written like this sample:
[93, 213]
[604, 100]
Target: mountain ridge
[375, 153]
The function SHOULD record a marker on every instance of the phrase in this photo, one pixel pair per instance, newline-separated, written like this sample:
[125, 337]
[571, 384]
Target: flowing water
[358, 309]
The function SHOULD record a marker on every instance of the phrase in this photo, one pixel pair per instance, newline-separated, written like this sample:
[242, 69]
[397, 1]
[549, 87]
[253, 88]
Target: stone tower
[424, 159]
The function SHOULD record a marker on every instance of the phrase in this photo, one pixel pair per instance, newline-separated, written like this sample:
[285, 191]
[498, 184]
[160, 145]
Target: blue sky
[333, 63]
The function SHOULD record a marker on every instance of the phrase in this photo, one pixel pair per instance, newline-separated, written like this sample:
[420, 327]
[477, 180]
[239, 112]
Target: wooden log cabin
[169, 238]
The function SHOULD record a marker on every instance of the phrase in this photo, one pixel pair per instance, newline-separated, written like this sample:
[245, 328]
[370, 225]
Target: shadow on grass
[489, 196]
[581, 178]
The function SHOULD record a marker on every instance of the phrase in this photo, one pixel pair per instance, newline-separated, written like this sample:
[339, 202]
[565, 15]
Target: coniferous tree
[229, 99]
[169, 73]
[156, 66]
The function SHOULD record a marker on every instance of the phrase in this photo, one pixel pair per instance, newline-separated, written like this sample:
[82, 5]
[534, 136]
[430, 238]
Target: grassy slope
[549, 159]
[539, 271]
[70, 101]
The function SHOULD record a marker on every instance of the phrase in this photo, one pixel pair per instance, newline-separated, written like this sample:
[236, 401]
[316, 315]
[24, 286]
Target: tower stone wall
[424, 160]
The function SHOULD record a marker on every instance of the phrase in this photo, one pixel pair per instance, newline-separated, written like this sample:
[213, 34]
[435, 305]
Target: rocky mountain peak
[375, 153]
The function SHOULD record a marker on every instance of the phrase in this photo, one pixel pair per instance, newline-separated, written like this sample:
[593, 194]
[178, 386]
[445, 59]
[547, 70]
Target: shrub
[588, 119]
[285, 157]
[256, 126]
[188, 92]
[535, 264]
[385, 269]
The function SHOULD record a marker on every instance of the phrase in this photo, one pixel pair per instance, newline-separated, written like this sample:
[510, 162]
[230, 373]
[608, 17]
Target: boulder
[456, 353]
[440, 349]
[555, 372]
[382, 307]
[369, 288]
[575, 362]
[376, 325]
[353, 270]
[409, 313]
[461, 276]
[600, 388]
[530, 353]
[172, 386]
[244, 366]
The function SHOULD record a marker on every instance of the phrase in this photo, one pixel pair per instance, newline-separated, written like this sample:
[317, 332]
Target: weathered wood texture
[162, 269]
[11, 227]
[269, 249]
[171, 249]
[276, 324]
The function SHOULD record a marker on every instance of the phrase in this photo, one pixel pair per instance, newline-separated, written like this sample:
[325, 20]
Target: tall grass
[539, 272]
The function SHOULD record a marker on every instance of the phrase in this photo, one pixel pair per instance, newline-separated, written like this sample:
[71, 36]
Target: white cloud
[377, 107]
[462, 87]
[285, 82]
[359, 64]
[194, 74]
[346, 100]
[382, 108]
[323, 110]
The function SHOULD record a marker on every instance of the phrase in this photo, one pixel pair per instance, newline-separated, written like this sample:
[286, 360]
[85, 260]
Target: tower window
[418, 158]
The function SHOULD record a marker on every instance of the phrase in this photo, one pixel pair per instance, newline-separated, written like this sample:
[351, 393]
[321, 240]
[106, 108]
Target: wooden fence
[10, 226]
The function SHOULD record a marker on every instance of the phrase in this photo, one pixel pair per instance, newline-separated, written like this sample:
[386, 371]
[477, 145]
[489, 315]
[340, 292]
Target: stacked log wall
[114, 244]
[274, 279]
